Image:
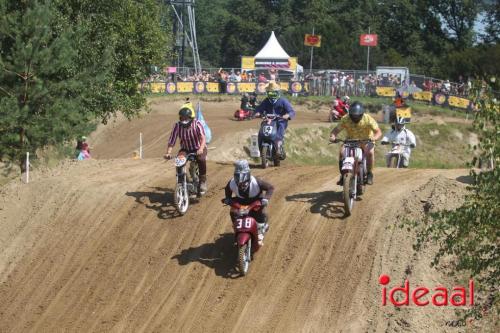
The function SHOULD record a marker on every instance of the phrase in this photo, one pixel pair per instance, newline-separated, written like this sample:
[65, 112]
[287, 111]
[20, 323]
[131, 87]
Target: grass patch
[438, 146]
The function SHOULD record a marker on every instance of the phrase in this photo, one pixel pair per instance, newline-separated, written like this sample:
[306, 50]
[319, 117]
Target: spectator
[262, 78]
[244, 77]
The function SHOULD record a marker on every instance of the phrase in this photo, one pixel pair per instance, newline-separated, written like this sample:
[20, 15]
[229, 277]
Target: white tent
[272, 50]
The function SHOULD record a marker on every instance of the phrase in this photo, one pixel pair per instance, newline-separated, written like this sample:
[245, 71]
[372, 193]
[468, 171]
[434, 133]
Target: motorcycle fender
[242, 238]
[348, 163]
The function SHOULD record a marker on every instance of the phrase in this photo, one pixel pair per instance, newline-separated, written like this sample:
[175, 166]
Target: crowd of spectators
[324, 82]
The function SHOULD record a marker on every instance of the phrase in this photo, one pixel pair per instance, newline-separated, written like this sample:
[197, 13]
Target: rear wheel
[348, 193]
[181, 198]
[263, 155]
[244, 257]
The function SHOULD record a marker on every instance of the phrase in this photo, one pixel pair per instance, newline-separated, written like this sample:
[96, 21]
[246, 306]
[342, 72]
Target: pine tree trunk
[22, 160]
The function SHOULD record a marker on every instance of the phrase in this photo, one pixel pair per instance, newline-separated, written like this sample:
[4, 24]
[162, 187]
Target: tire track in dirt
[107, 253]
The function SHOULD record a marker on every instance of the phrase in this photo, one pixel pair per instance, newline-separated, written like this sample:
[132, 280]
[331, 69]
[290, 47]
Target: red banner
[312, 40]
[368, 40]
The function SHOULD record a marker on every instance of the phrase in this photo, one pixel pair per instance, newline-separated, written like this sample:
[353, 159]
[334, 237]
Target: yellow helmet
[187, 110]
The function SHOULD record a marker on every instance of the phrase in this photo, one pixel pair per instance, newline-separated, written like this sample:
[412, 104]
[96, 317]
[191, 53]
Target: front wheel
[181, 198]
[244, 257]
[348, 193]
[263, 155]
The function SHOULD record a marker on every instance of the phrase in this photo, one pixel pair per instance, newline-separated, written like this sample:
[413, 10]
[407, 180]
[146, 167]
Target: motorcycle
[335, 115]
[244, 114]
[186, 187]
[395, 156]
[246, 233]
[267, 138]
[354, 172]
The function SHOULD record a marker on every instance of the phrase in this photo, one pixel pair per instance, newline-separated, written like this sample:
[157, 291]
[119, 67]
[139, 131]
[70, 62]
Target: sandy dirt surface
[96, 246]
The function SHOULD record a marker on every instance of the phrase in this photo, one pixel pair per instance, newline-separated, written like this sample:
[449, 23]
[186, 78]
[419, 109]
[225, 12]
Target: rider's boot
[203, 184]
[262, 228]
[281, 150]
[369, 178]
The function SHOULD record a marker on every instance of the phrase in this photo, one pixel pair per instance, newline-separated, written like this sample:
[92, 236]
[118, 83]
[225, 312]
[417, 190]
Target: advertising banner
[247, 62]
[185, 87]
[386, 91]
[422, 96]
[312, 40]
[212, 87]
[246, 87]
[368, 40]
[458, 102]
[199, 87]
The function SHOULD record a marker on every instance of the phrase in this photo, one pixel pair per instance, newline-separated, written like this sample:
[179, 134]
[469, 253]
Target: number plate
[267, 130]
[180, 161]
[348, 163]
[245, 223]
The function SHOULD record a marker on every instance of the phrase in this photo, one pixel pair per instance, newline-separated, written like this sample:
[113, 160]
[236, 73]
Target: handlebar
[352, 141]
[396, 143]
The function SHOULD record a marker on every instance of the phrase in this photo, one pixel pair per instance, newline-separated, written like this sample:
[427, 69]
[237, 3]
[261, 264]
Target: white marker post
[27, 167]
[140, 146]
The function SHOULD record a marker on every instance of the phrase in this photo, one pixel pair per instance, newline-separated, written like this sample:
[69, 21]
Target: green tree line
[430, 37]
[66, 64]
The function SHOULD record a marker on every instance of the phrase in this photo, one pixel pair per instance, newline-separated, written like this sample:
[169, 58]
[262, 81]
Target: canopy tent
[272, 55]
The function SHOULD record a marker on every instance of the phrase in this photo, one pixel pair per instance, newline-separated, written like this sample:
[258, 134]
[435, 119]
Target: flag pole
[368, 56]
[312, 52]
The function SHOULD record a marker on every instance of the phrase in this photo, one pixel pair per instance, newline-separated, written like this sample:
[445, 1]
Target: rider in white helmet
[247, 189]
[399, 134]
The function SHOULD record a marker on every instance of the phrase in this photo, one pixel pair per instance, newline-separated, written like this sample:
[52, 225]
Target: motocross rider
[248, 189]
[192, 140]
[359, 126]
[340, 106]
[274, 104]
[400, 135]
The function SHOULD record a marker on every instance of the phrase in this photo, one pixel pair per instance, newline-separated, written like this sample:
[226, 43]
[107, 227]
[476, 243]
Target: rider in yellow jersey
[359, 126]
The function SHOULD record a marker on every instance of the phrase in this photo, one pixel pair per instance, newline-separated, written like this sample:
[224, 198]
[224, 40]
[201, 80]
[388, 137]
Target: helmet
[186, 111]
[356, 112]
[399, 123]
[273, 91]
[83, 138]
[242, 174]
[346, 98]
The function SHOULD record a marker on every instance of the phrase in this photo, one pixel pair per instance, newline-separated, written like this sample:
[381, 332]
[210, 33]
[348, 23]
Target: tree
[40, 99]
[66, 64]
[133, 34]
[459, 17]
[492, 22]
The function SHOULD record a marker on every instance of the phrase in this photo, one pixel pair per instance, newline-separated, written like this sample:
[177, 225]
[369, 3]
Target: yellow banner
[212, 87]
[403, 112]
[157, 87]
[458, 102]
[386, 91]
[184, 87]
[247, 62]
[283, 86]
[246, 87]
[292, 61]
[422, 96]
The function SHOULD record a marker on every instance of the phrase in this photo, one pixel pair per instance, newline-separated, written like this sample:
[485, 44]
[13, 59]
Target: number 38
[246, 223]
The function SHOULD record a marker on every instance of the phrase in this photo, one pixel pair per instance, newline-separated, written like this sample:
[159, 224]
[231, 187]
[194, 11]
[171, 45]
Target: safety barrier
[294, 87]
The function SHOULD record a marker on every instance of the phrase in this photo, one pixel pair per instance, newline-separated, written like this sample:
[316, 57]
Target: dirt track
[97, 246]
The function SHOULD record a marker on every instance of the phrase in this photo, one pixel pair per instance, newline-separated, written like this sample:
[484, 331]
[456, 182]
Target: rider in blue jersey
[274, 104]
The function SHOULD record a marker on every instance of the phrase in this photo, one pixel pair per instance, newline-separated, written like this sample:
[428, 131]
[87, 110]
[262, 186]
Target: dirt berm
[96, 246]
